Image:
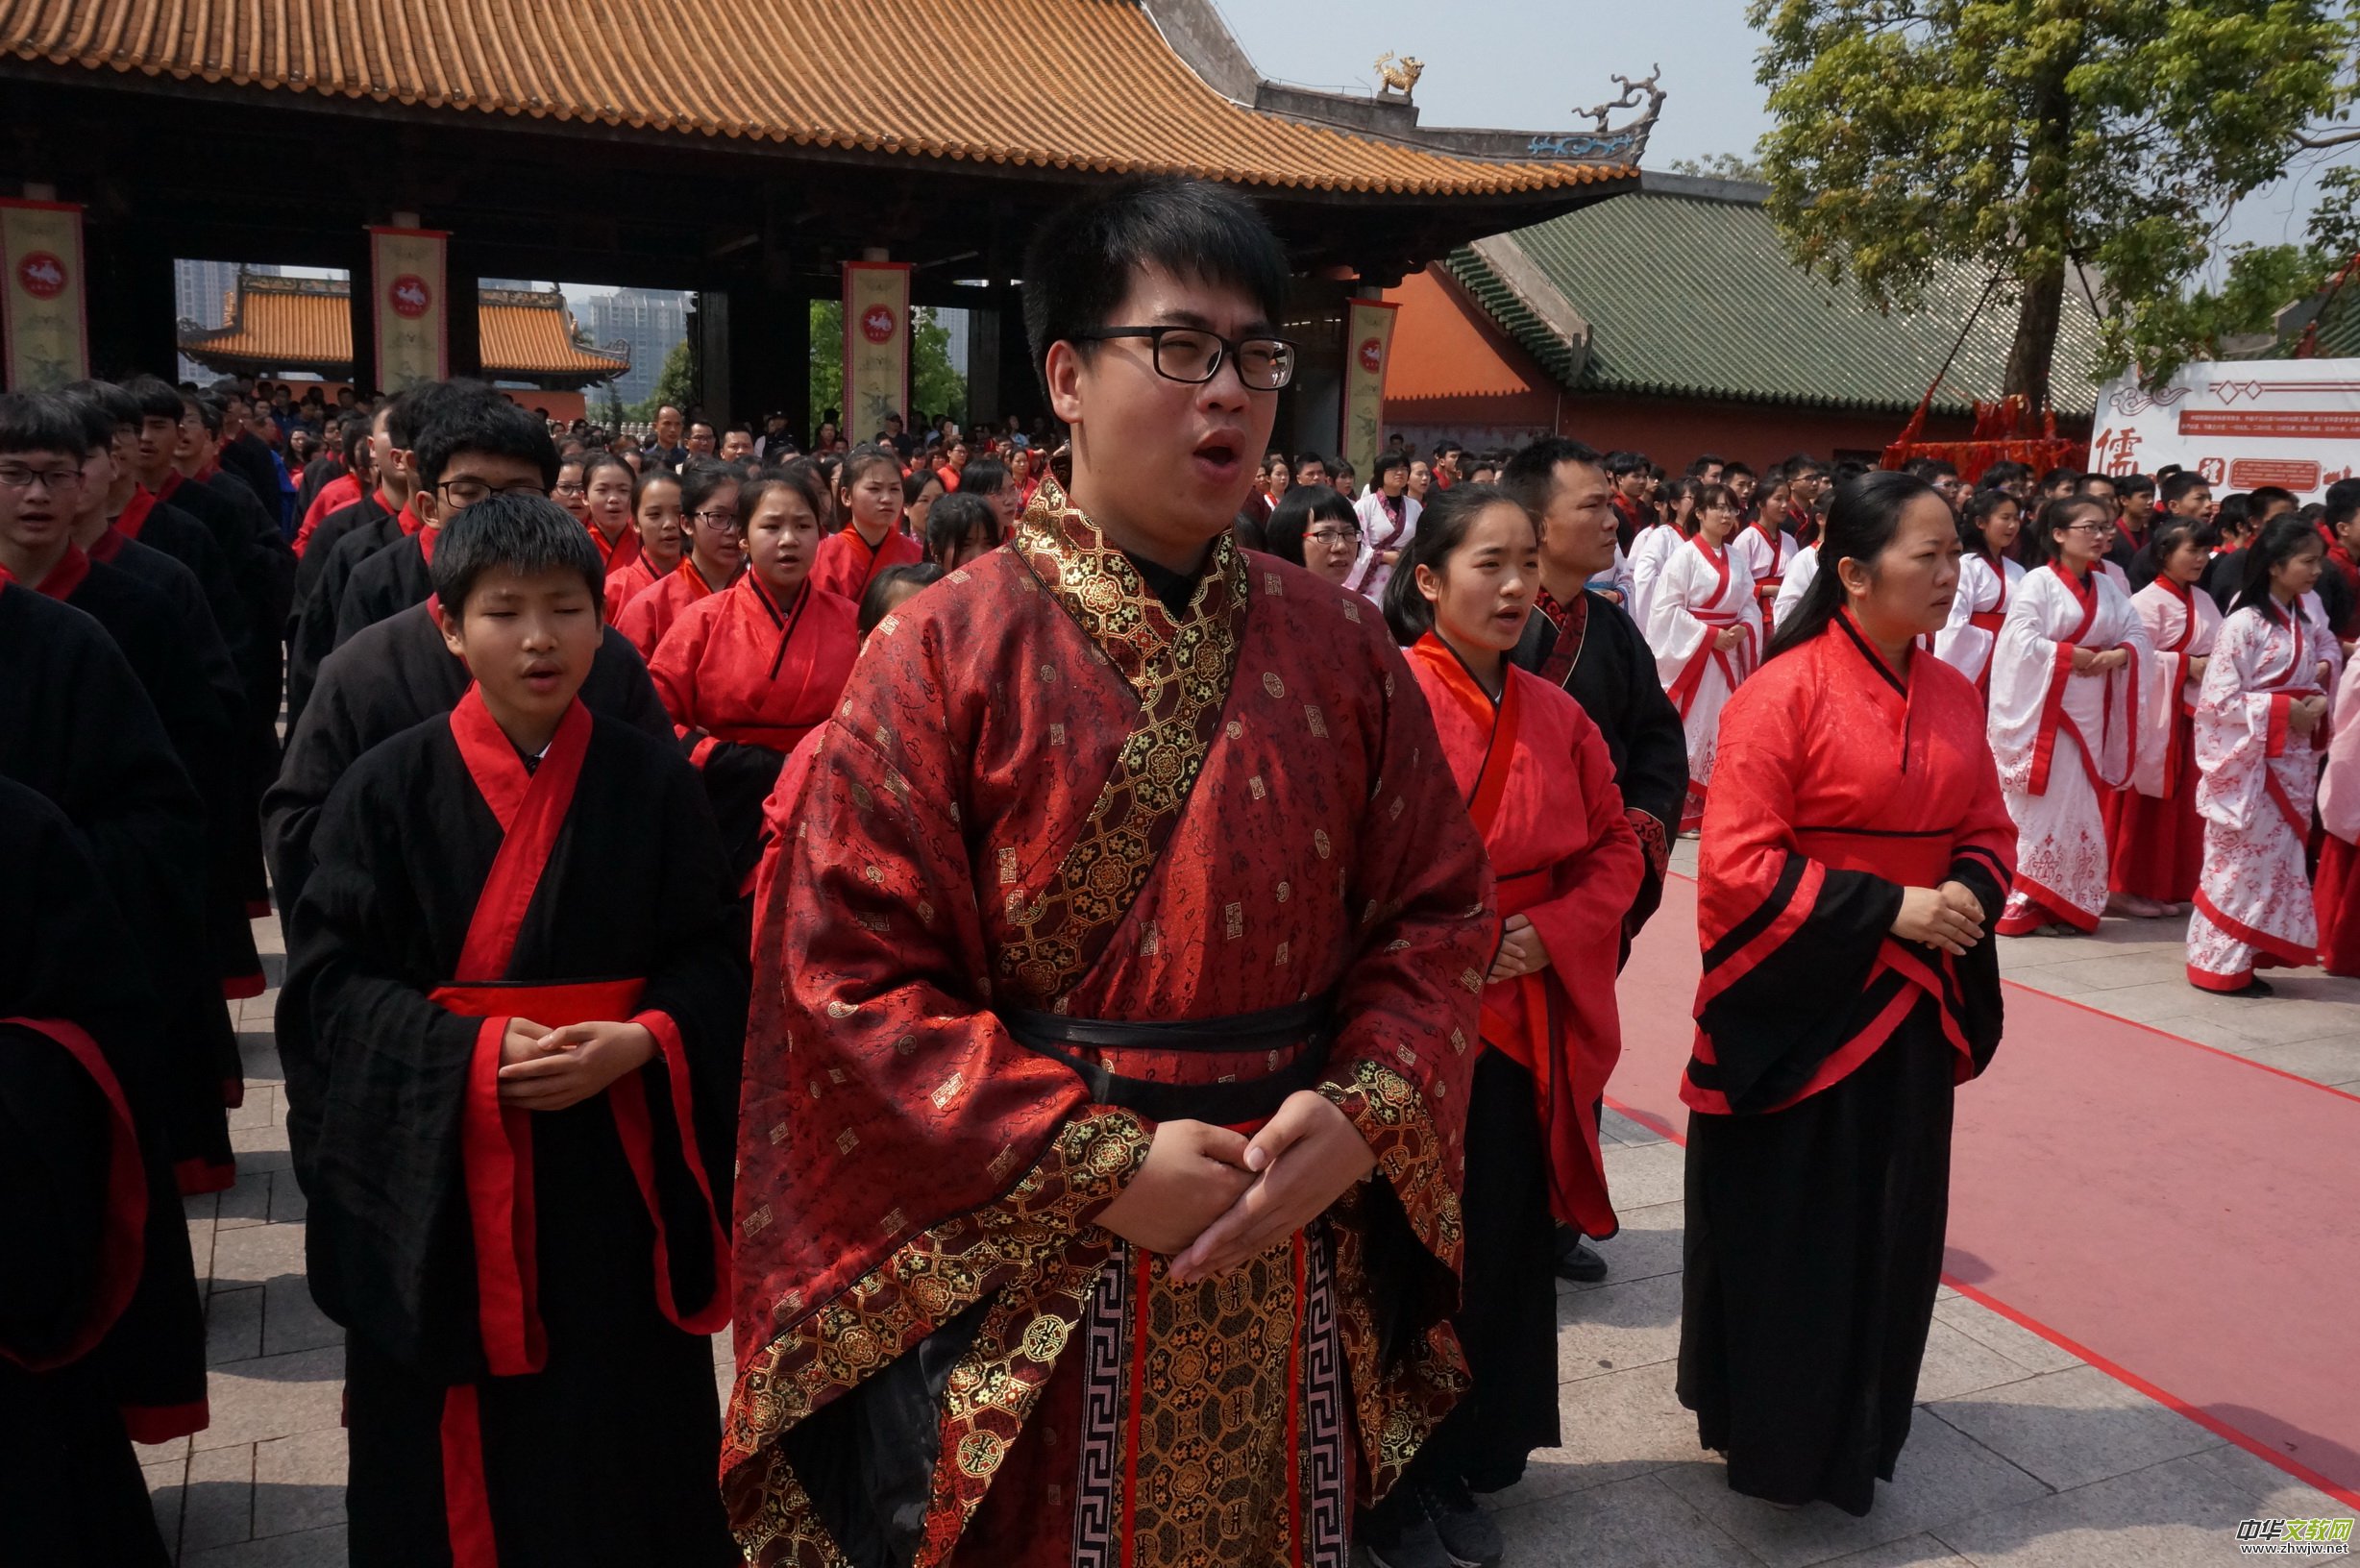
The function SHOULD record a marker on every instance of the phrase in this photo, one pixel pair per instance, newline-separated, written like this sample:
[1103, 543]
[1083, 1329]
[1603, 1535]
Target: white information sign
[2239, 422]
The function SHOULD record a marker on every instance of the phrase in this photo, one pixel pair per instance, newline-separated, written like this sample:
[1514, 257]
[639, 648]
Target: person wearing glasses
[708, 499]
[1705, 624]
[1116, 999]
[1388, 518]
[2074, 708]
[1318, 529]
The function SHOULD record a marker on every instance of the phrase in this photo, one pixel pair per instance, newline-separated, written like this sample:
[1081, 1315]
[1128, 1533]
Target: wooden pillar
[128, 264]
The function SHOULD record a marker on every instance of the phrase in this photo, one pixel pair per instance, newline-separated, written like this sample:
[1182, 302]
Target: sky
[1528, 65]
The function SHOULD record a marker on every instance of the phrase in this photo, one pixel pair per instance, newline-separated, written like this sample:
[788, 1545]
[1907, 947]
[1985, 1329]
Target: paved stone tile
[1956, 1365]
[2111, 971]
[287, 1204]
[291, 1320]
[255, 1253]
[1611, 1426]
[256, 1106]
[262, 1148]
[2075, 1427]
[165, 1494]
[1635, 1323]
[1618, 1128]
[248, 1202]
[2175, 1514]
[312, 1549]
[1908, 1552]
[1648, 1244]
[299, 1483]
[1942, 1477]
[275, 1396]
[218, 1508]
[1628, 1523]
[2276, 1494]
[2332, 1058]
[233, 1325]
[2019, 1344]
[1643, 1176]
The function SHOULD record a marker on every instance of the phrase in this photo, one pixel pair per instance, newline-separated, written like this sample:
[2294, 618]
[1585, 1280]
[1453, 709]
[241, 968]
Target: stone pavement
[2021, 1456]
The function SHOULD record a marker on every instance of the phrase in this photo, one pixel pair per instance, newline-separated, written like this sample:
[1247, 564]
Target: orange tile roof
[305, 321]
[808, 75]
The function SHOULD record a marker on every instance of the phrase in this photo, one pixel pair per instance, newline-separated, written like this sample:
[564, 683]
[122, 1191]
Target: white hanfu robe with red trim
[1701, 592]
[1767, 556]
[2253, 907]
[1800, 573]
[1978, 611]
[2060, 737]
[2154, 834]
[1653, 547]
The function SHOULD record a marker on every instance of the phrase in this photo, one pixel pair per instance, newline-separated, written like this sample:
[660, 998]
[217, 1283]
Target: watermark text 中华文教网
[2293, 1537]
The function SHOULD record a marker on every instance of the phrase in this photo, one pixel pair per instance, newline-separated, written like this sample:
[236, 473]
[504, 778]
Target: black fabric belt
[1305, 1024]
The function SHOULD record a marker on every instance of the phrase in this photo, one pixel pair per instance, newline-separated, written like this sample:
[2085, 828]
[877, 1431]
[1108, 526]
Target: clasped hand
[549, 1069]
[2091, 662]
[1520, 953]
[1209, 1198]
[2305, 714]
[1948, 916]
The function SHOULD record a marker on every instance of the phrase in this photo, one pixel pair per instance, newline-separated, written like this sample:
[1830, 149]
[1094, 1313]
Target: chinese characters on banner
[2239, 422]
[876, 345]
[1369, 345]
[406, 280]
[42, 319]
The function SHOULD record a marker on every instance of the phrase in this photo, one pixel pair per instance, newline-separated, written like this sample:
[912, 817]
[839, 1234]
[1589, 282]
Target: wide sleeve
[2131, 706]
[2339, 787]
[2027, 666]
[1647, 558]
[1592, 889]
[62, 1221]
[1962, 646]
[2238, 729]
[1655, 771]
[1788, 941]
[1674, 633]
[2159, 703]
[1797, 582]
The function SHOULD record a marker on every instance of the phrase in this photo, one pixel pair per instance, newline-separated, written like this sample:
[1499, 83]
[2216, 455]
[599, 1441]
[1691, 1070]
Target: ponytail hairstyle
[592, 461]
[1675, 491]
[2168, 535]
[1977, 511]
[1861, 521]
[1441, 529]
[2282, 538]
[2059, 514]
[801, 476]
[1703, 493]
[701, 478]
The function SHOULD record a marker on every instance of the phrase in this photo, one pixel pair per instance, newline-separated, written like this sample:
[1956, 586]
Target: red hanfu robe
[529, 1294]
[1701, 592]
[617, 552]
[845, 563]
[628, 582]
[1978, 611]
[1051, 801]
[1540, 786]
[745, 678]
[2062, 738]
[2254, 904]
[648, 614]
[2336, 885]
[2154, 836]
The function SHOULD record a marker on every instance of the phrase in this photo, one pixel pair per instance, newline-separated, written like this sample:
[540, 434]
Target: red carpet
[2184, 1219]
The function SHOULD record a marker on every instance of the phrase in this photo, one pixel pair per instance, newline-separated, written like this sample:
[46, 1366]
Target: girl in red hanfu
[2259, 720]
[607, 485]
[2335, 888]
[716, 553]
[1705, 625]
[920, 490]
[868, 499]
[655, 510]
[2070, 680]
[748, 673]
[1539, 782]
[1767, 549]
[1855, 854]
[1987, 578]
[2154, 836]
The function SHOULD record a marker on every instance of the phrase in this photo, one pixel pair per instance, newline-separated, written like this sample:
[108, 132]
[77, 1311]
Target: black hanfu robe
[1594, 649]
[387, 584]
[1827, 1051]
[369, 516]
[77, 728]
[313, 635]
[397, 674]
[102, 1336]
[529, 1296]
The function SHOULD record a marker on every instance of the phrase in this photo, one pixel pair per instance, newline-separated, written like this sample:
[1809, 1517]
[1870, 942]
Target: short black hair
[1530, 475]
[98, 427]
[955, 517]
[120, 406]
[479, 418]
[209, 411]
[2133, 485]
[156, 397]
[1301, 507]
[700, 479]
[1702, 461]
[42, 422]
[1079, 265]
[1621, 463]
[524, 534]
[2176, 487]
[1385, 462]
[883, 590]
[1302, 457]
[2001, 473]
[2267, 496]
[2343, 498]
[406, 408]
[982, 475]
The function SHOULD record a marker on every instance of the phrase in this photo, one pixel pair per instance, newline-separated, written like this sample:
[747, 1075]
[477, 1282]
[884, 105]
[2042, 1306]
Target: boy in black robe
[102, 1336]
[384, 489]
[80, 755]
[513, 1099]
[351, 536]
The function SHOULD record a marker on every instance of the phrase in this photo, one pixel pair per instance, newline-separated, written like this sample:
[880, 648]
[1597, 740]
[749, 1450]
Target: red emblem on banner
[876, 324]
[41, 275]
[1372, 356]
[409, 296]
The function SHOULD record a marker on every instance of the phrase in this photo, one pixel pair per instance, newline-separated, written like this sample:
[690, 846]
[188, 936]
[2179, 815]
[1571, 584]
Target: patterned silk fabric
[1044, 790]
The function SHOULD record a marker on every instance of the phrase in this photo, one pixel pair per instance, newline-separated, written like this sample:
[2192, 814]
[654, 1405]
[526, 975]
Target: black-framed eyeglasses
[1194, 356]
[717, 519]
[466, 492]
[1335, 536]
[2087, 528]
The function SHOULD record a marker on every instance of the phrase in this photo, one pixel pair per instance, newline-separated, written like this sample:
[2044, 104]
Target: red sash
[1683, 691]
[65, 576]
[135, 513]
[2053, 718]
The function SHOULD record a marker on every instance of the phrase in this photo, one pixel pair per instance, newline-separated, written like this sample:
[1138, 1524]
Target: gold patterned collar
[1103, 592]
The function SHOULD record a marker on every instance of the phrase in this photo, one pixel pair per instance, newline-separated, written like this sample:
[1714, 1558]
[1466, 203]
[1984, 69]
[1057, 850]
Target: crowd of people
[1092, 951]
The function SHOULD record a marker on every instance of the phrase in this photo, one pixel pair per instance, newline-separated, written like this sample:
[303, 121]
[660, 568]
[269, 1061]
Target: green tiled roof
[2338, 327]
[1688, 292]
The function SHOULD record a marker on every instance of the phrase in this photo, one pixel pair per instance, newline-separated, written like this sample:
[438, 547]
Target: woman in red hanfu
[1987, 579]
[716, 554]
[2335, 888]
[745, 674]
[2070, 680]
[607, 485]
[2259, 720]
[1855, 854]
[1705, 625]
[1539, 782]
[2154, 836]
[870, 497]
[655, 511]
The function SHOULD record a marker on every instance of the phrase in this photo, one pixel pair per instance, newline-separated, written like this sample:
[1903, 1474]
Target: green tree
[1721, 166]
[2033, 138]
[934, 385]
[826, 357]
[674, 385]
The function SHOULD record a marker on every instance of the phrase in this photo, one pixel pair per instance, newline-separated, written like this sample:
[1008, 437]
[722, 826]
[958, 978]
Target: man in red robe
[1131, 932]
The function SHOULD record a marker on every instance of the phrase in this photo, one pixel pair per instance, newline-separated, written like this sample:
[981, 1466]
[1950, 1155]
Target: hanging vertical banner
[1369, 347]
[41, 314]
[876, 345]
[406, 293]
